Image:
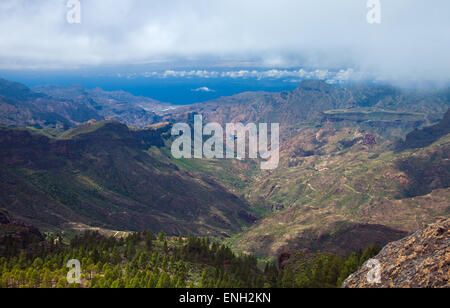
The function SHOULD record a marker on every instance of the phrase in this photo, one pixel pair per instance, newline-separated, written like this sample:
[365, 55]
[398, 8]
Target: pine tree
[161, 236]
[47, 280]
[163, 281]
[204, 283]
[149, 241]
[62, 283]
[181, 284]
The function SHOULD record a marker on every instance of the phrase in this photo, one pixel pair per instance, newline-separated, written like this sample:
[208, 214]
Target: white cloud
[203, 89]
[411, 43]
[293, 75]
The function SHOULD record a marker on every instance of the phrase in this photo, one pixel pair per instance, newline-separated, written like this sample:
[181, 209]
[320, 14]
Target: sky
[411, 44]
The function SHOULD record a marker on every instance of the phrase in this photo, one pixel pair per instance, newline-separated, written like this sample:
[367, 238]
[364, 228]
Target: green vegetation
[324, 270]
[143, 260]
[84, 129]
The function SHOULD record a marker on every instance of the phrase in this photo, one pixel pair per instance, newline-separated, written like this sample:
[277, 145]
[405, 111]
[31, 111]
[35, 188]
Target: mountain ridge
[384, 110]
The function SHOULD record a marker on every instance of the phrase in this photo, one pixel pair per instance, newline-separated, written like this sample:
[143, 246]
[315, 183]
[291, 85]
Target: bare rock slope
[421, 260]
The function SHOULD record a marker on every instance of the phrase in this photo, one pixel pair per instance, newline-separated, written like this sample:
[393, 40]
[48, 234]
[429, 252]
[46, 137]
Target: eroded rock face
[421, 260]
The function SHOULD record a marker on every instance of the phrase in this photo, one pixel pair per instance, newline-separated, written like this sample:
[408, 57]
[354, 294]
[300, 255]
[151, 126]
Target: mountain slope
[342, 183]
[338, 190]
[427, 135]
[106, 175]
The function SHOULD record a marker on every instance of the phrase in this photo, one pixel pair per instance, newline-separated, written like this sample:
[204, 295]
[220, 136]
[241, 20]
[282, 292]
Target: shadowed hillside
[109, 176]
[426, 136]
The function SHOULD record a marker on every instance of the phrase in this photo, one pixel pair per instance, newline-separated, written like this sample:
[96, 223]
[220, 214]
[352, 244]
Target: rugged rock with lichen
[421, 260]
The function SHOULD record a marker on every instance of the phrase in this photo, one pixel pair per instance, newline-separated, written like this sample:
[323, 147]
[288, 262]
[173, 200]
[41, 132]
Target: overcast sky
[412, 42]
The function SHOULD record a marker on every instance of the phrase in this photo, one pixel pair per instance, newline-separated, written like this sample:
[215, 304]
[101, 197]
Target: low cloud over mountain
[410, 45]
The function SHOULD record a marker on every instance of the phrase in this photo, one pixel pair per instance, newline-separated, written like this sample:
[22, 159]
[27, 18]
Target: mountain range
[359, 165]
[55, 109]
[382, 109]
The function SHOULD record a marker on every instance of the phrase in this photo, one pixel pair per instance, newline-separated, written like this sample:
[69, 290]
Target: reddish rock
[370, 140]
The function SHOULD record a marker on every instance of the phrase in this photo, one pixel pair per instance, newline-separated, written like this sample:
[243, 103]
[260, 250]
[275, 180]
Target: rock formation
[421, 260]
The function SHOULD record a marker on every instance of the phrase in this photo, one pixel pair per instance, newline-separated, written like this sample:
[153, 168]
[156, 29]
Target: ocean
[174, 90]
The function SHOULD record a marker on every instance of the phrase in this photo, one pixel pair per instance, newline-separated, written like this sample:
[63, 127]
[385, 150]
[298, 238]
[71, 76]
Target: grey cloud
[411, 44]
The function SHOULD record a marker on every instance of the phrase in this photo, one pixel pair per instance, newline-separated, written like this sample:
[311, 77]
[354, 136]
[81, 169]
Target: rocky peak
[421, 260]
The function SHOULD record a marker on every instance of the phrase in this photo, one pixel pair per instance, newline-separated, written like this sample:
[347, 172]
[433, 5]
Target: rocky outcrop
[421, 260]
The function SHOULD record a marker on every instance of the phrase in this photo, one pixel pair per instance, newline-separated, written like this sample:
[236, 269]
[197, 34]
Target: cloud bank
[288, 75]
[412, 43]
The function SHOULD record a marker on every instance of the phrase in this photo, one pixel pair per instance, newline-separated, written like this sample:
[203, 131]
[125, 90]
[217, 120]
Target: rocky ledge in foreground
[421, 260]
